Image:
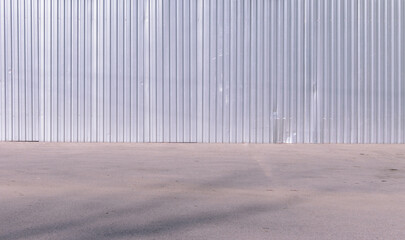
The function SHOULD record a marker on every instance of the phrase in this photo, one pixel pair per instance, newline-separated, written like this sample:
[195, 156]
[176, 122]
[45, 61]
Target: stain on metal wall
[259, 71]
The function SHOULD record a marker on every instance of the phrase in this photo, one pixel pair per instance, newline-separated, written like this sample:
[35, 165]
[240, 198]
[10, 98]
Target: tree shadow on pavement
[162, 213]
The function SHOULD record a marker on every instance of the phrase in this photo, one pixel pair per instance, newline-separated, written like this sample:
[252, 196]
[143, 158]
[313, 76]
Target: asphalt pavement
[201, 191]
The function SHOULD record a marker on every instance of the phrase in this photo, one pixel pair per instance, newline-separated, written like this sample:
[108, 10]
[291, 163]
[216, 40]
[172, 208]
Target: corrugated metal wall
[266, 71]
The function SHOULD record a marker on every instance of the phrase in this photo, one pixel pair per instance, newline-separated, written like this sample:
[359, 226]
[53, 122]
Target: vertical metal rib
[311, 71]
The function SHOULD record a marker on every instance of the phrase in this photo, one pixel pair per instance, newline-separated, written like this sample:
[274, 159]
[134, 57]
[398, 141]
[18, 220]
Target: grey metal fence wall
[265, 71]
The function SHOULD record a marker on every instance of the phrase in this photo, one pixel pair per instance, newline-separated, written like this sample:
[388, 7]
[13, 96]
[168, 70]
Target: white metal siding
[265, 71]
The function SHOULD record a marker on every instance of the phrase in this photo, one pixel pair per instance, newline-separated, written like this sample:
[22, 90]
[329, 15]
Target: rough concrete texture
[196, 191]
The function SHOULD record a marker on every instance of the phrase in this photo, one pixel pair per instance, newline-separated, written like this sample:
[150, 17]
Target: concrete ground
[196, 191]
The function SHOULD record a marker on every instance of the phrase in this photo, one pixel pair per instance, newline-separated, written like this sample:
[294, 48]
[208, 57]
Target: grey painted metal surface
[313, 71]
